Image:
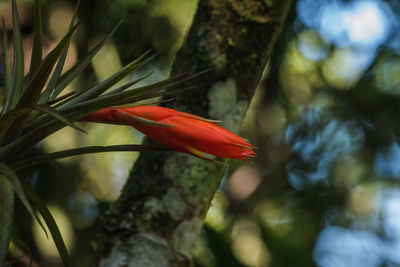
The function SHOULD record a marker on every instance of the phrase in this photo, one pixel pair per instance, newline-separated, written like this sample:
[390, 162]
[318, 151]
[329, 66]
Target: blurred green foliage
[324, 189]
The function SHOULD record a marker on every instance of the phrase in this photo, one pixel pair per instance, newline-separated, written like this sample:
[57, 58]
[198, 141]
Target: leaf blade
[7, 71]
[6, 218]
[37, 52]
[12, 177]
[34, 87]
[8, 118]
[50, 222]
[60, 65]
[17, 76]
[54, 113]
[84, 150]
[110, 81]
[70, 75]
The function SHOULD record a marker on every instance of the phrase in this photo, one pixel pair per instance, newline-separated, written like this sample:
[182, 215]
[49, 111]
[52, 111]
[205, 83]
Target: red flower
[179, 131]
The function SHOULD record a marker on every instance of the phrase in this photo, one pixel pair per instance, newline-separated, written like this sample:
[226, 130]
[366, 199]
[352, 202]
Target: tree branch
[159, 215]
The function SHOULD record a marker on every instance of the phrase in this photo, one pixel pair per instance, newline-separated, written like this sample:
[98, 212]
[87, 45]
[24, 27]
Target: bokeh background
[324, 189]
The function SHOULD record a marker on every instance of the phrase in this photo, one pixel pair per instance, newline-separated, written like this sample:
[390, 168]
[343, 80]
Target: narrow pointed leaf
[12, 177]
[60, 65]
[121, 98]
[129, 84]
[7, 215]
[76, 111]
[112, 80]
[83, 150]
[152, 90]
[8, 119]
[34, 88]
[61, 98]
[50, 222]
[115, 91]
[120, 89]
[54, 113]
[70, 75]
[137, 94]
[17, 76]
[36, 58]
[6, 65]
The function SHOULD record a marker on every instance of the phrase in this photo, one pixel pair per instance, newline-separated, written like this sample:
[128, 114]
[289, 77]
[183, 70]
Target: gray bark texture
[159, 215]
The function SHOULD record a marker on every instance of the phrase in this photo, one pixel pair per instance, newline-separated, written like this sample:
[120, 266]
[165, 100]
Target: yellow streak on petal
[195, 151]
[200, 154]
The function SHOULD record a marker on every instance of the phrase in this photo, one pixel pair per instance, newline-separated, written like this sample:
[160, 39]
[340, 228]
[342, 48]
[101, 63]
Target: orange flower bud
[178, 130]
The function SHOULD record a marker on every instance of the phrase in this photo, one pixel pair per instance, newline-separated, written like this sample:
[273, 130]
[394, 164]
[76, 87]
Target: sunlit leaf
[6, 217]
[50, 222]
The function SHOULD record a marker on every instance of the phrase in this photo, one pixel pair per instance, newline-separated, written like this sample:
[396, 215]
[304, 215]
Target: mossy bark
[159, 215]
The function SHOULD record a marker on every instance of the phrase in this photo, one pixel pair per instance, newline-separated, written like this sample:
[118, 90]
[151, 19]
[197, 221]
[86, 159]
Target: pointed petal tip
[248, 145]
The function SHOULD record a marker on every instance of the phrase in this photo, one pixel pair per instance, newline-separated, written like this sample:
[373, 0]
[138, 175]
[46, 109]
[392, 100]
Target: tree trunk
[159, 215]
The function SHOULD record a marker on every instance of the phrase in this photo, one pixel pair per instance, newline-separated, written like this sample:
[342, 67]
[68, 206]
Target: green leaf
[35, 86]
[50, 222]
[71, 74]
[83, 150]
[17, 76]
[113, 79]
[123, 97]
[43, 127]
[60, 99]
[12, 177]
[54, 113]
[60, 65]
[6, 64]
[7, 214]
[152, 90]
[129, 84]
[36, 58]
[83, 111]
[8, 119]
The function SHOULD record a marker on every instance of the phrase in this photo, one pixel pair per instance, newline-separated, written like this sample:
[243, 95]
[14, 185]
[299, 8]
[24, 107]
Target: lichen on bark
[163, 204]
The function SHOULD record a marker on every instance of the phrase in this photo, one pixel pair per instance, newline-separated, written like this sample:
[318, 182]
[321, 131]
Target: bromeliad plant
[36, 106]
